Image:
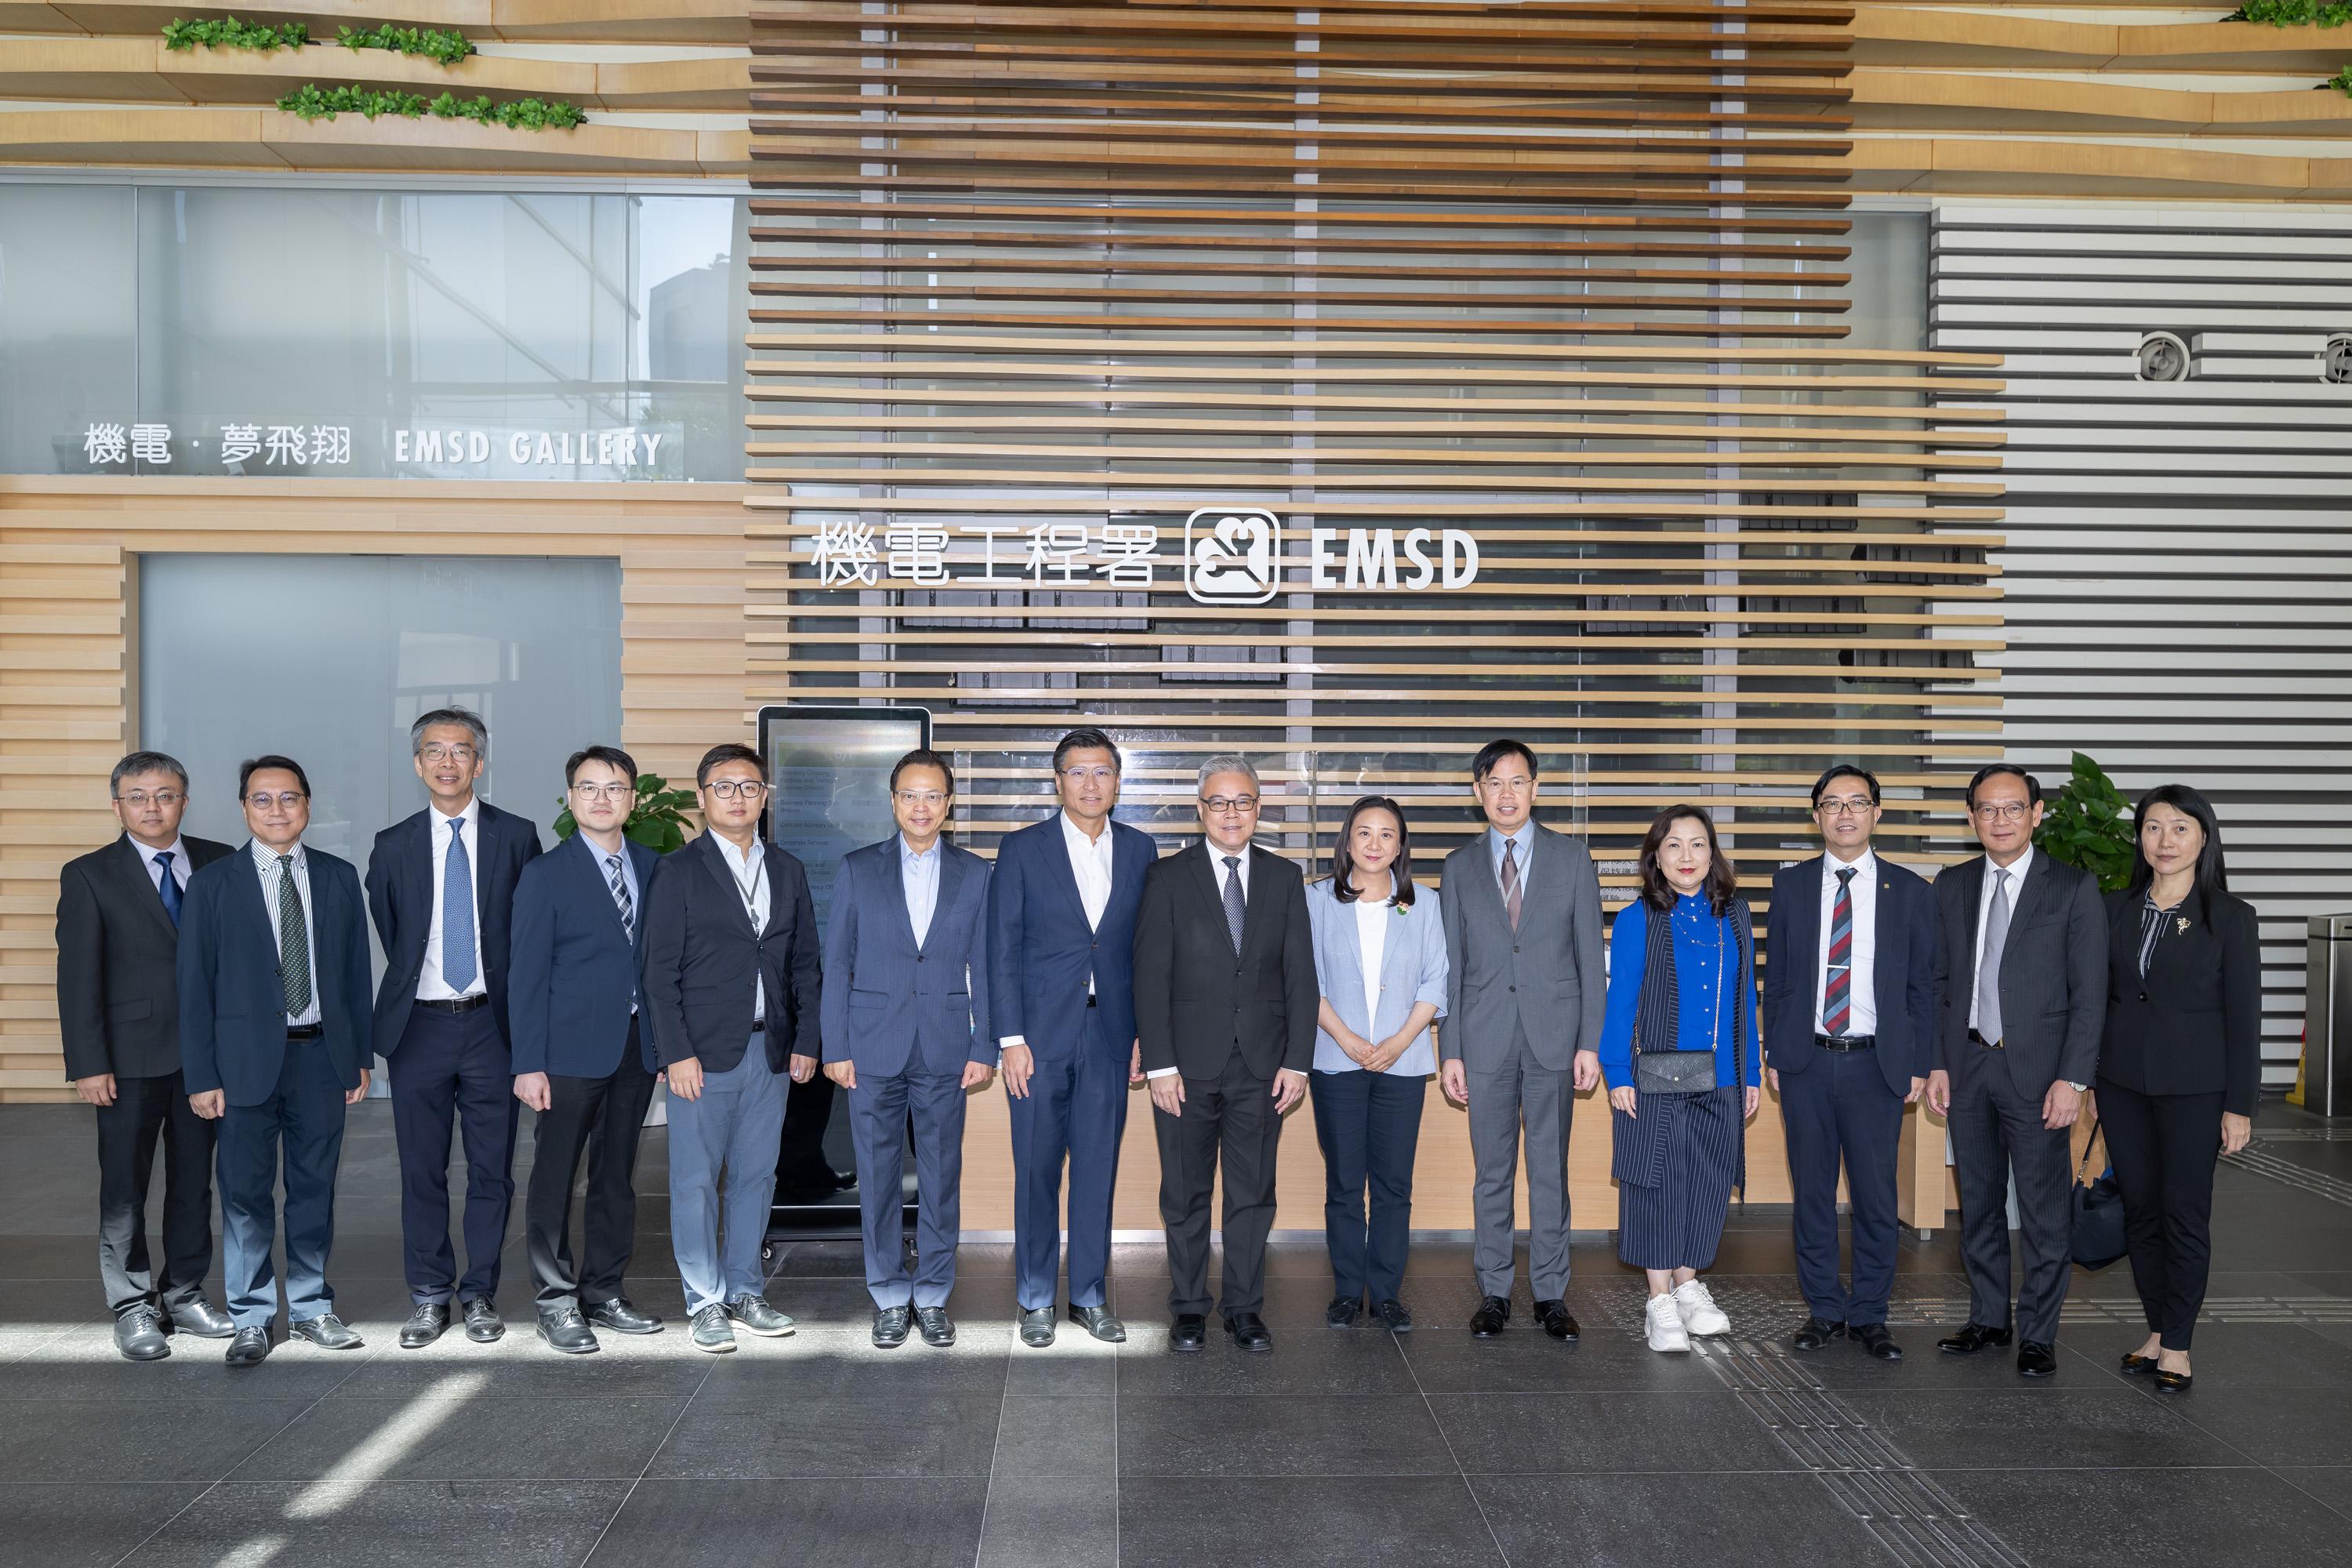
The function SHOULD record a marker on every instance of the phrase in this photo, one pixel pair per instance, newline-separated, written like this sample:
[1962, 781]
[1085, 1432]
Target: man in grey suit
[1525, 990]
[2020, 1002]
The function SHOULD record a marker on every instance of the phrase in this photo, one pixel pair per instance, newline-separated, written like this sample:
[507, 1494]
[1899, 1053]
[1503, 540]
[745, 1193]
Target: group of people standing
[217, 1001]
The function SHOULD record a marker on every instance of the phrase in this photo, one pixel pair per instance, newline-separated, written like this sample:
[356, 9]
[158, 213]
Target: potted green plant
[657, 820]
[2088, 823]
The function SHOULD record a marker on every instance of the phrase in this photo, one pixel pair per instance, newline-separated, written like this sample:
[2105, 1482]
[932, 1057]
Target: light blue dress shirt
[919, 875]
[1526, 840]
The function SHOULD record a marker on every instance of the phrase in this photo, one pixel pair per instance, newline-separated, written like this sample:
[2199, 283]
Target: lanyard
[751, 893]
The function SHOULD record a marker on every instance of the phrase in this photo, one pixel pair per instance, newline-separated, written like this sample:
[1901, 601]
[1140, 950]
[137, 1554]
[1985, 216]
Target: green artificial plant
[657, 820]
[2088, 823]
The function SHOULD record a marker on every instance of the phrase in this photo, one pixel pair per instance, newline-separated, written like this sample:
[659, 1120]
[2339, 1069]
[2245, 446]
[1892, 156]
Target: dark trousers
[302, 1118]
[598, 1117]
[879, 1108]
[1997, 1129]
[1075, 1110]
[453, 1066]
[1369, 1124]
[1838, 1110]
[2164, 1147]
[146, 1110]
[1229, 1118]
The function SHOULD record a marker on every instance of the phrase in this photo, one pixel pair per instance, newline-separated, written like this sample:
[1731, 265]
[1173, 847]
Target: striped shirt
[2151, 931]
[265, 864]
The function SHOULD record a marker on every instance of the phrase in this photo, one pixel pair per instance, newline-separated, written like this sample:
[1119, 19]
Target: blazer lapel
[245, 895]
[1203, 875]
[950, 882]
[892, 870]
[131, 869]
[486, 839]
[714, 860]
[592, 861]
[1063, 875]
[773, 856]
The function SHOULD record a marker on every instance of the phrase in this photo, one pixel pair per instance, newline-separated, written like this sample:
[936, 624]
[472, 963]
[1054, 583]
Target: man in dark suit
[731, 997]
[1062, 901]
[1849, 1025]
[119, 1011]
[441, 886]
[1225, 1003]
[581, 1059]
[906, 1034]
[2021, 1001]
[273, 973]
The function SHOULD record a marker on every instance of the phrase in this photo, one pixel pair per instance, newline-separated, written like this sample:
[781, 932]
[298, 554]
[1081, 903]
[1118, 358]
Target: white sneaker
[1666, 1330]
[1700, 1315]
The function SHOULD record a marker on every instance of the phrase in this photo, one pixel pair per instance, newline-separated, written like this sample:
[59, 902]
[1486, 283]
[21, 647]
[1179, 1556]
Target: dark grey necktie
[1233, 909]
[1996, 943]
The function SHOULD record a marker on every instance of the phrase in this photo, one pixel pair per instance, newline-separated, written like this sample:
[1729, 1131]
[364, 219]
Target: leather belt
[305, 1031]
[759, 1025]
[456, 1005]
[1090, 998]
[1976, 1038]
[1846, 1042]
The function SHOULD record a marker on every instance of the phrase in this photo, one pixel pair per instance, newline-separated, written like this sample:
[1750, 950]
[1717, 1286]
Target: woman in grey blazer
[1380, 963]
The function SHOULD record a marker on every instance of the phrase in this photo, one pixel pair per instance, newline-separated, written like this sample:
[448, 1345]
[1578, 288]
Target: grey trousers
[1518, 1092]
[733, 1132]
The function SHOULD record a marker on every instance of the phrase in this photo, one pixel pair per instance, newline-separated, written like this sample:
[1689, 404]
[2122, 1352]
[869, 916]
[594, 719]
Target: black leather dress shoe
[1343, 1312]
[1557, 1322]
[566, 1331]
[1876, 1341]
[1037, 1327]
[2035, 1359]
[1249, 1331]
[428, 1323]
[2172, 1382]
[483, 1324]
[935, 1327]
[891, 1326]
[199, 1317]
[1101, 1322]
[1975, 1337]
[327, 1331]
[1393, 1316]
[1188, 1333]
[1818, 1333]
[623, 1319]
[1493, 1312]
[2137, 1365]
[139, 1334]
[248, 1347]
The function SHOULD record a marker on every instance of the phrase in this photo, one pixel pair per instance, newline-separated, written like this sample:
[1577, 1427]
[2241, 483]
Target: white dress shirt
[2014, 874]
[1217, 870]
[1090, 863]
[177, 850]
[1373, 918]
[265, 864]
[749, 867]
[919, 879]
[431, 985]
[1862, 992]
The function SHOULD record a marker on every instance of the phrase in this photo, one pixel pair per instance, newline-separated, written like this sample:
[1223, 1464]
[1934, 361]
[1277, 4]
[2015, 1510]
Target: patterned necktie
[457, 913]
[1234, 912]
[1511, 881]
[1837, 997]
[293, 941]
[1996, 939]
[620, 896]
[169, 887]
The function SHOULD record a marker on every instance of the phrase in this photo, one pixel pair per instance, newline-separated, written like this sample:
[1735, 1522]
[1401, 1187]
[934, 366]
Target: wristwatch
[2077, 1088]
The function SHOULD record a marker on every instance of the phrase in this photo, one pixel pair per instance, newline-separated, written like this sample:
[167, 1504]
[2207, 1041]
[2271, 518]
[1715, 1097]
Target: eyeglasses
[1090, 776]
[139, 800]
[1844, 804]
[437, 752]
[1227, 805]
[930, 797]
[260, 801]
[603, 791]
[2002, 811]
[736, 789]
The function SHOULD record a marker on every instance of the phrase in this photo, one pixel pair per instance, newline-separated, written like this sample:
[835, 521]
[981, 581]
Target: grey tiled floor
[1356, 1448]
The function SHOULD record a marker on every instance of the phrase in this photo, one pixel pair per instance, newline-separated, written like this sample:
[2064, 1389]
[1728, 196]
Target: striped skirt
[1676, 1165]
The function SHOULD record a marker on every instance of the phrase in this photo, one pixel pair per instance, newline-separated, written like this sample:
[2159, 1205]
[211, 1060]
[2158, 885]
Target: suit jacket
[2193, 1024]
[573, 970]
[1546, 978]
[1040, 951]
[232, 994]
[117, 990]
[892, 1006]
[1198, 1003]
[702, 957]
[400, 896]
[2054, 973]
[1412, 971]
[1902, 977]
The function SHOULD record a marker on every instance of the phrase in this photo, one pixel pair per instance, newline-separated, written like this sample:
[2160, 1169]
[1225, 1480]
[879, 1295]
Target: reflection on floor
[1343, 1447]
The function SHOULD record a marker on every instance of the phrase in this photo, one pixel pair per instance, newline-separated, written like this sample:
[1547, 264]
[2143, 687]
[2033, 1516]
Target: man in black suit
[2021, 1001]
[441, 886]
[119, 1011]
[730, 995]
[1849, 1024]
[1225, 1004]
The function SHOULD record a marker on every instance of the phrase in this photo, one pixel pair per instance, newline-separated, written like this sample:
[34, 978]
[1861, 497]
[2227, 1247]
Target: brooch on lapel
[2180, 924]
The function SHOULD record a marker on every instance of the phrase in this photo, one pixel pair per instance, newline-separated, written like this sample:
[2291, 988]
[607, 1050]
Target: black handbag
[1673, 1072]
[2099, 1228]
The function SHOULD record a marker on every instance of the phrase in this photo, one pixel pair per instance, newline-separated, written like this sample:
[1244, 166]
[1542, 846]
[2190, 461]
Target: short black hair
[1494, 751]
[1845, 771]
[1995, 770]
[1087, 738]
[460, 718]
[252, 766]
[731, 751]
[610, 756]
[922, 757]
[139, 762]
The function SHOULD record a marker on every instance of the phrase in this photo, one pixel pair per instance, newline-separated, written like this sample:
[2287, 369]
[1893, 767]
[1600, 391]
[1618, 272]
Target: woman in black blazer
[2181, 1060]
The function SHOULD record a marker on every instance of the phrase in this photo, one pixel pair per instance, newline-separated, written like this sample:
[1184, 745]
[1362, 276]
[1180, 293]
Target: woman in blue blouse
[1380, 963]
[1682, 989]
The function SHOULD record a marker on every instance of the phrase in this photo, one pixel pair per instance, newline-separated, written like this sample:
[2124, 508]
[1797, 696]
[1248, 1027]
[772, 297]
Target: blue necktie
[169, 887]
[457, 913]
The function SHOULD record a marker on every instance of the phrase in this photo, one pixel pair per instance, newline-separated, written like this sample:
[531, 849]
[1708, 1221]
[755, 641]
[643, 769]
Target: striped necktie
[1837, 997]
[293, 941]
[620, 896]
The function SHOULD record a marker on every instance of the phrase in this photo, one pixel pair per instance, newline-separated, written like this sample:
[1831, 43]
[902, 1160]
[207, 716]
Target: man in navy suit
[1061, 954]
[273, 978]
[731, 997]
[441, 1018]
[581, 1059]
[906, 1032]
[1849, 1021]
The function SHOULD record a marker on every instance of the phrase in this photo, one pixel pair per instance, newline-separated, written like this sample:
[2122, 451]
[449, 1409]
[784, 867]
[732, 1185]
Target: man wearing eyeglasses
[1848, 1029]
[906, 1036]
[2020, 1003]
[441, 886]
[1062, 901]
[274, 1032]
[119, 1013]
[731, 998]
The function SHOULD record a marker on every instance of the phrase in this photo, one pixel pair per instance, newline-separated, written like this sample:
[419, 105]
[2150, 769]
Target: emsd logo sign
[1232, 556]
